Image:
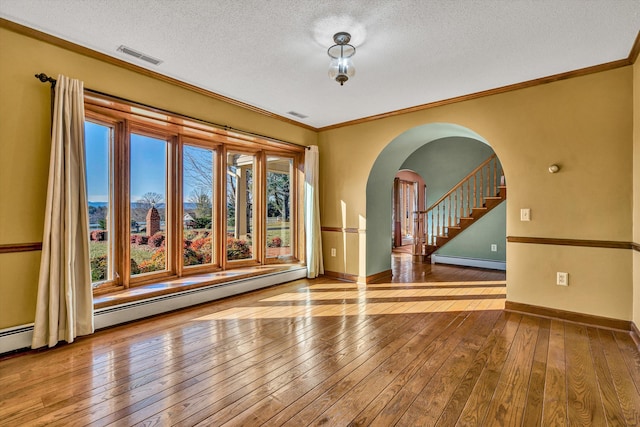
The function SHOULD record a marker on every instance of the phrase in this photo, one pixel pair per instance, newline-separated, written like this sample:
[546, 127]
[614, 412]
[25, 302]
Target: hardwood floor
[435, 350]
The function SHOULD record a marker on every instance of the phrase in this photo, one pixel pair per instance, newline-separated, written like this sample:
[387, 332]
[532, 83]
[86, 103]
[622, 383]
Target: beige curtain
[64, 307]
[312, 213]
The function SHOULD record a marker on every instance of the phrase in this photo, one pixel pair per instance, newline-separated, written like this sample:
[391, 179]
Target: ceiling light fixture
[341, 67]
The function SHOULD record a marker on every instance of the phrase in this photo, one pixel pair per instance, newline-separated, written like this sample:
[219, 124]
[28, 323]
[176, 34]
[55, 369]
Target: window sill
[185, 283]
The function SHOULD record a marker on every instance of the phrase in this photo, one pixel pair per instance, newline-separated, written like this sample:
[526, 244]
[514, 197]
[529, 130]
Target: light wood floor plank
[554, 412]
[628, 396]
[535, 391]
[476, 407]
[631, 357]
[438, 355]
[458, 400]
[508, 403]
[338, 391]
[608, 395]
[202, 405]
[342, 412]
[584, 405]
[434, 396]
[236, 354]
[172, 402]
[298, 393]
[432, 346]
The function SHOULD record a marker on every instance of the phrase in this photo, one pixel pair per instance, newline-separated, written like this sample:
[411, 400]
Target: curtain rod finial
[44, 78]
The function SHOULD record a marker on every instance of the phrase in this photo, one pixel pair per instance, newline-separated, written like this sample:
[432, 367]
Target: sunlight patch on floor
[371, 294]
[360, 302]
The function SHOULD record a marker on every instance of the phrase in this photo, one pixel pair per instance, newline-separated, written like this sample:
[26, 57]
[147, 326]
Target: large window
[279, 216]
[148, 204]
[169, 196]
[240, 206]
[198, 213]
[99, 195]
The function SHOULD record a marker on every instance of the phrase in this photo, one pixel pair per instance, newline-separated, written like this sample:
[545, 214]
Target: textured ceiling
[272, 54]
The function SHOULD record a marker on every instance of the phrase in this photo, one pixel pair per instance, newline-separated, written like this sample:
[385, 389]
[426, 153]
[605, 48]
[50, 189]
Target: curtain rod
[44, 79]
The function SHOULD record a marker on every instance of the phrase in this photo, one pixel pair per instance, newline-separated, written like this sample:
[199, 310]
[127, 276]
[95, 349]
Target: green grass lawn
[139, 253]
[275, 229]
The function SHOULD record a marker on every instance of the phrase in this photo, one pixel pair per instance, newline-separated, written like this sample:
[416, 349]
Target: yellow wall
[24, 142]
[636, 192]
[584, 124]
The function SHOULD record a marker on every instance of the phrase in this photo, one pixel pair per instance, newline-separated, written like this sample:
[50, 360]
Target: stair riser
[476, 213]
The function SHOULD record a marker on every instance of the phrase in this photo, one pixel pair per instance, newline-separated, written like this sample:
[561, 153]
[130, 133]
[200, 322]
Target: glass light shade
[341, 69]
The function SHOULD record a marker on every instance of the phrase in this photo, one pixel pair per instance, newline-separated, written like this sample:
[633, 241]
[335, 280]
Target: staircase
[473, 197]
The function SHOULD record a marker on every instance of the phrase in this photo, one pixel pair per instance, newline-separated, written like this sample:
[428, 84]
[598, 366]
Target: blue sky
[97, 157]
[148, 164]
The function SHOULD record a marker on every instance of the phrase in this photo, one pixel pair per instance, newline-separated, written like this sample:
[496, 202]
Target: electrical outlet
[562, 279]
[494, 247]
[333, 251]
[525, 214]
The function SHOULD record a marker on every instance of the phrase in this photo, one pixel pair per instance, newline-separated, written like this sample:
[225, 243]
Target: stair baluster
[458, 208]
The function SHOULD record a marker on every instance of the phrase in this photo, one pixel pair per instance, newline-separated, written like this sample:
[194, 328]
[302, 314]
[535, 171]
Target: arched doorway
[405, 152]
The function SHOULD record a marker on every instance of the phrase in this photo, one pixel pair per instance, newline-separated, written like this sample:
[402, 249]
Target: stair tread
[490, 202]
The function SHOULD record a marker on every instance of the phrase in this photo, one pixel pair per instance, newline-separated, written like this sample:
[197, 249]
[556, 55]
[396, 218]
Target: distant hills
[187, 205]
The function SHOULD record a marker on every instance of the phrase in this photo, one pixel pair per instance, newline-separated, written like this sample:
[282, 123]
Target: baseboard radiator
[19, 337]
[469, 262]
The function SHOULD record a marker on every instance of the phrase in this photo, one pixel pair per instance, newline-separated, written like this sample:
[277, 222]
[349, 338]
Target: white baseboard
[469, 262]
[19, 337]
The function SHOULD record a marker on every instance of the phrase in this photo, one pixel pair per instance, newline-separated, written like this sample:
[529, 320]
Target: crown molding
[47, 38]
[516, 86]
[630, 60]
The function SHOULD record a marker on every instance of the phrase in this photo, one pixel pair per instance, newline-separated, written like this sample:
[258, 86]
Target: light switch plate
[525, 214]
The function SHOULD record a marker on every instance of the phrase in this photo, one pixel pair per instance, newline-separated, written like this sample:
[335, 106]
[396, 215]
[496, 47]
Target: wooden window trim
[171, 238]
[295, 200]
[178, 131]
[257, 229]
[183, 125]
[215, 200]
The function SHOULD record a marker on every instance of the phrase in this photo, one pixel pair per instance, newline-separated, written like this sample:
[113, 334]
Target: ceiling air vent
[296, 114]
[139, 55]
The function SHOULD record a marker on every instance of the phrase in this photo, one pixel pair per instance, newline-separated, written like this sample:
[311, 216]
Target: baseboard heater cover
[469, 262]
[15, 338]
[19, 337]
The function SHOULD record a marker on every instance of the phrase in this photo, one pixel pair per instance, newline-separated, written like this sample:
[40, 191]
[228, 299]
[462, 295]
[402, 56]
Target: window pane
[239, 206]
[97, 149]
[198, 219]
[279, 170]
[148, 191]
